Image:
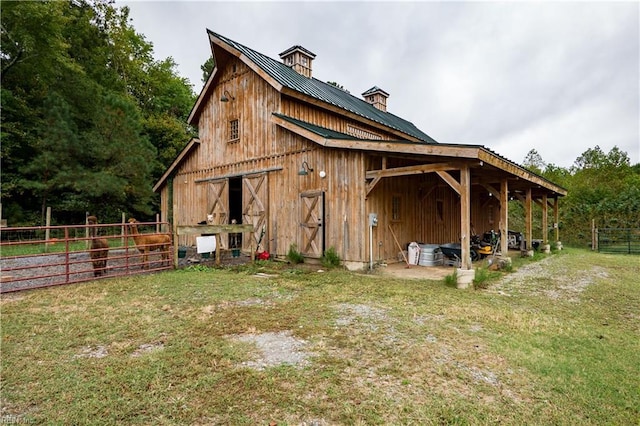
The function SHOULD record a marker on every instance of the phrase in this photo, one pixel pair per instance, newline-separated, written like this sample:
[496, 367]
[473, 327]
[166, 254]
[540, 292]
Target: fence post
[66, 253]
[122, 231]
[47, 231]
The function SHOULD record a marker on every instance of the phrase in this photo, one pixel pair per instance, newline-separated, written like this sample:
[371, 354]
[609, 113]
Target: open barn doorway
[235, 210]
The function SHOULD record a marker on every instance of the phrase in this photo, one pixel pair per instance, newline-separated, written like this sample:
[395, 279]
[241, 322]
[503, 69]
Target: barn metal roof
[325, 92]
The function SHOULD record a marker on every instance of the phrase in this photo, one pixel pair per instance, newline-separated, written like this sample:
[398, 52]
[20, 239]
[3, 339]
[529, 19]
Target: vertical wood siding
[429, 208]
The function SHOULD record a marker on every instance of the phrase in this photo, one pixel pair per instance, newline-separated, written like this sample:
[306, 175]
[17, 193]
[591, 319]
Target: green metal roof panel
[325, 92]
[332, 134]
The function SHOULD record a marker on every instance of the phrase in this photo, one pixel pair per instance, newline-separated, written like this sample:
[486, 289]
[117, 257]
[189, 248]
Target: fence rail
[29, 260]
[618, 240]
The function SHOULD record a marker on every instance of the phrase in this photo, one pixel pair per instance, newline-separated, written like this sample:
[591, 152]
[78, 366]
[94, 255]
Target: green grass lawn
[556, 341]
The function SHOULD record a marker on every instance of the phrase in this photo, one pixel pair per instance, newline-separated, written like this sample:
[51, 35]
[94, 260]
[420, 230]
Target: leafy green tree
[534, 162]
[207, 67]
[89, 119]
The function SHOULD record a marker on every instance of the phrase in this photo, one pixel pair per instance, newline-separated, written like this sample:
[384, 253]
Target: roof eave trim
[242, 57]
[517, 170]
[194, 115]
[193, 143]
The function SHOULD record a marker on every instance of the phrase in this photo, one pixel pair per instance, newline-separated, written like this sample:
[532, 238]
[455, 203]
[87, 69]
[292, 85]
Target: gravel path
[54, 269]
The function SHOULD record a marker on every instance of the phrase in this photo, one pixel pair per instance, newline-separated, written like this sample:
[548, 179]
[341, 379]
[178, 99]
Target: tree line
[90, 120]
[601, 186]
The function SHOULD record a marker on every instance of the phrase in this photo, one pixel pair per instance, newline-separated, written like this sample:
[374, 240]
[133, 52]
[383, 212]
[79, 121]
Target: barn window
[395, 208]
[234, 130]
[440, 210]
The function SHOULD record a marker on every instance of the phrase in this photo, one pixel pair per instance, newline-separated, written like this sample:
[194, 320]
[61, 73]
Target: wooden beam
[451, 181]
[556, 222]
[375, 181]
[372, 185]
[528, 217]
[520, 197]
[496, 193]
[232, 175]
[431, 189]
[519, 171]
[465, 216]
[504, 217]
[411, 170]
[213, 229]
[545, 222]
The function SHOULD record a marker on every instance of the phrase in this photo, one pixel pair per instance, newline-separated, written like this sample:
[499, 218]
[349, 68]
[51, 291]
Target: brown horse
[99, 249]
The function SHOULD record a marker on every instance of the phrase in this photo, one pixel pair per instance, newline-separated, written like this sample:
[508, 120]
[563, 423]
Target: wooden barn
[309, 164]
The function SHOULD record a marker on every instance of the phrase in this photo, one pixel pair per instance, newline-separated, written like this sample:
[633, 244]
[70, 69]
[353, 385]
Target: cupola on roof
[376, 97]
[298, 58]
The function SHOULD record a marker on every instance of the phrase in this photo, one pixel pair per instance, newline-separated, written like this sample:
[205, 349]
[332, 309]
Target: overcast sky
[557, 77]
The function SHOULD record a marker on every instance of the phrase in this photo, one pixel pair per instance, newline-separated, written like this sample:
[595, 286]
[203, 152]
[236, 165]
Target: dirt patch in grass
[275, 349]
[93, 352]
[549, 277]
[147, 348]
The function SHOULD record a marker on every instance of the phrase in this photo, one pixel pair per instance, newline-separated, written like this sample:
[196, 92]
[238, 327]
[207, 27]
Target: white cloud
[558, 77]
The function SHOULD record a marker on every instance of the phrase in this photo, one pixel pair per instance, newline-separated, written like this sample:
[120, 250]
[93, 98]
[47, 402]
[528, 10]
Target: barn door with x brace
[312, 224]
[255, 202]
[218, 202]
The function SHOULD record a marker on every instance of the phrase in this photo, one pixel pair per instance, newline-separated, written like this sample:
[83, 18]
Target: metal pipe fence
[618, 240]
[29, 260]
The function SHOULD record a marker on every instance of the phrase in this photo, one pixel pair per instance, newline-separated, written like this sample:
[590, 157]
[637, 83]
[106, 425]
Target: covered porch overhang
[460, 166]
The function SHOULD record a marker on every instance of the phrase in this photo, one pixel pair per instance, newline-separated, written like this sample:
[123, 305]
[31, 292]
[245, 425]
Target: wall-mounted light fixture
[226, 96]
[305, 169]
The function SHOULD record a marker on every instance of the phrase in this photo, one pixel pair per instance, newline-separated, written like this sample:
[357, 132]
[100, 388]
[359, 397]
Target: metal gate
[28, 259]
[618, 240]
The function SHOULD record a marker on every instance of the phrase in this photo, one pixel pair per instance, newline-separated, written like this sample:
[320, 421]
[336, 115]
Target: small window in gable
[234, 130]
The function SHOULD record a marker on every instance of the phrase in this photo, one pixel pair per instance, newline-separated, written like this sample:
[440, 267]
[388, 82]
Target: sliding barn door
[312, 224]
[218, 202]
[255, 202]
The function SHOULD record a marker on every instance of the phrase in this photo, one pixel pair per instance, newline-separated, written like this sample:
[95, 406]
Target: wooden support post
[504, 217]
[218, 247]
[545, 222]
[465, 216]
[528, 219]
[556, 218]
